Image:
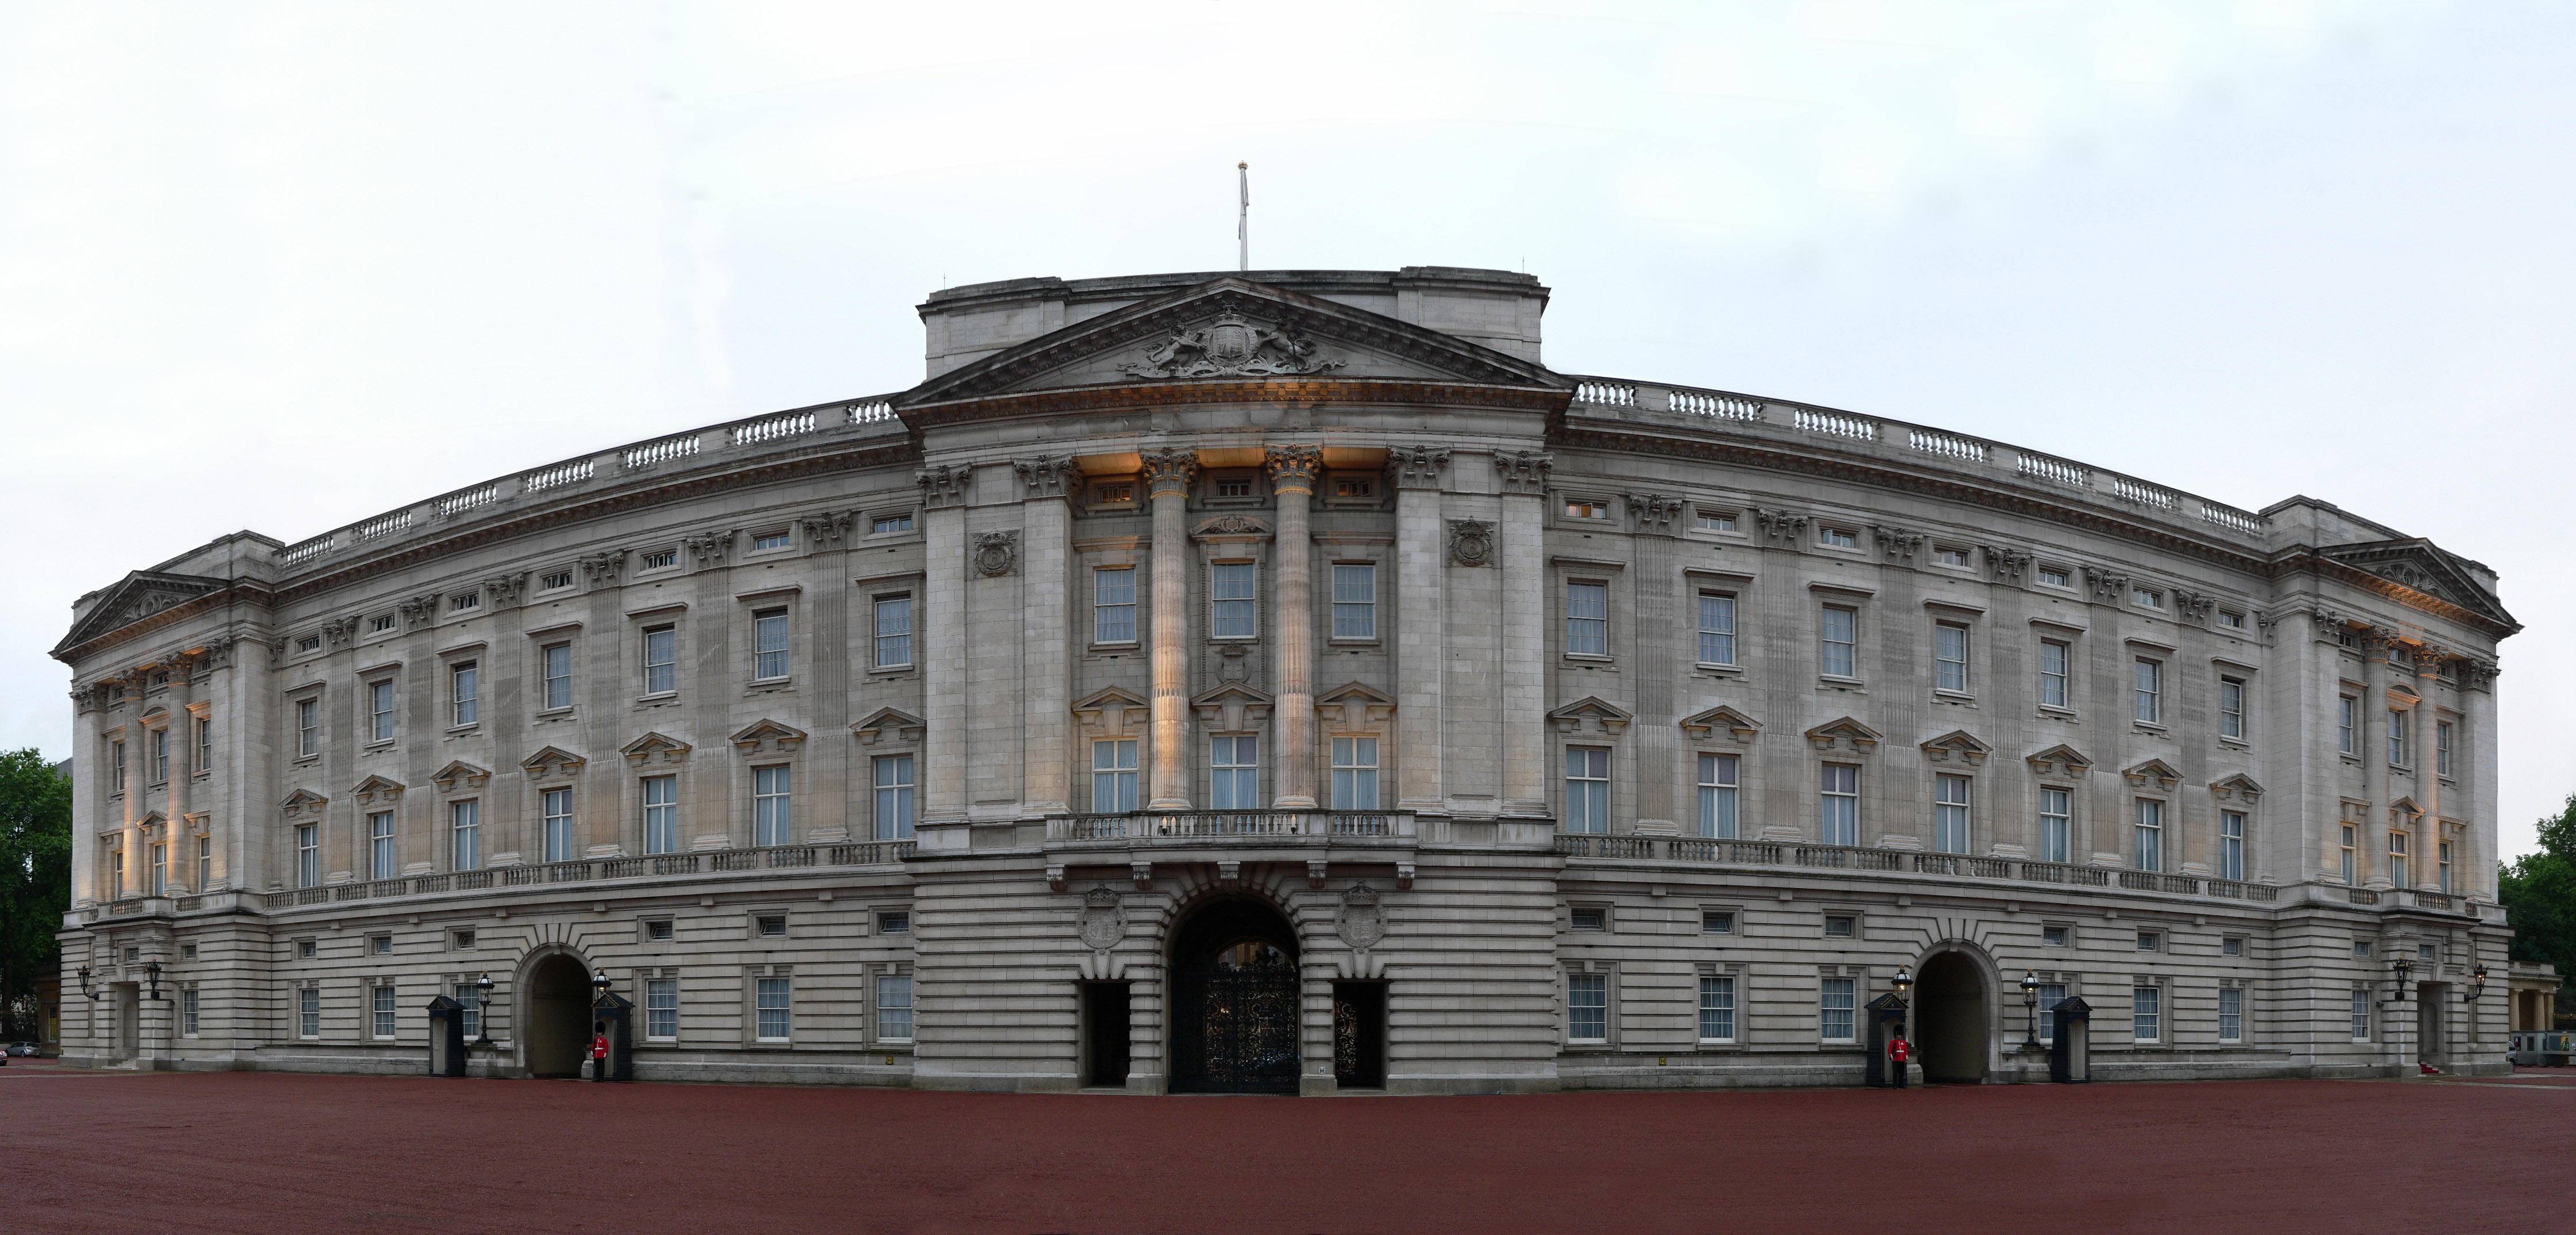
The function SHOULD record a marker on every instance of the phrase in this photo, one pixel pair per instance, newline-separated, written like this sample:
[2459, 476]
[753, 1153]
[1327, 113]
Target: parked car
[2543, 1048]
[21, 1048]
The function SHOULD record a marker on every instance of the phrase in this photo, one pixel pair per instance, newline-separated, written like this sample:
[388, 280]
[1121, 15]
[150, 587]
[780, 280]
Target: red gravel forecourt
[84, 1151]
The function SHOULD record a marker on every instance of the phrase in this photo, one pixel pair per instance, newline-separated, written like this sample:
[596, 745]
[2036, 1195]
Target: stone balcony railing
[775, 433]
[598, 870]
[1236, 826]
[1751, 416]
[1903, 861]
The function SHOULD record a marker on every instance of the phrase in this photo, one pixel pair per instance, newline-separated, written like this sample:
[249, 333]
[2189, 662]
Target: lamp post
[483, 1010]
[2405, 970]
[152, 971]
[2477, 983]
[1902, 982]
[84, 981]
[599, 986]
[2030, 1009]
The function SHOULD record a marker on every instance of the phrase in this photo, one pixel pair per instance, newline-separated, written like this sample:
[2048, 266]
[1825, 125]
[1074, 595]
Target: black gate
[1236, 1024]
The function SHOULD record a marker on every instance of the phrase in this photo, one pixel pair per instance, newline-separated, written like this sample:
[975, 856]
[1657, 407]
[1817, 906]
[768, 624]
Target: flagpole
[1243, 218]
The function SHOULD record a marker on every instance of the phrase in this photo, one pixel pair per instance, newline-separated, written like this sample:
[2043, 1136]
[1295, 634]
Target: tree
[35, 879]
[2538, 891]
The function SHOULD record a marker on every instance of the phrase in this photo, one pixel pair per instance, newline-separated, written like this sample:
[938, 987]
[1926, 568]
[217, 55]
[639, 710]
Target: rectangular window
[1234, 773]
[160, 755]
[116, 873]
[472, 997]
[1113, 777]
[308, 736]
[2056, 823]
[381, 623]
[2148, 597]
[1587, 1007]
[1716, 628]
[2052, 936]
[1838, 537]
[2396, 738]
[2231, 844]
[1716, 521]
[1717, 1009]
[2441, 746]
[1234, 487]
[662, 560]
[1834, 1023]
[661, 660]
[894, 632]
[769, 644]
[883, 524]
[2231, 619]
[2345, 740]
[769, 802]
[558, 817]
[308, 1012]
[465, 828]
[1236, 613]
[2055, 576]
[1587, 619]
[1716, 922]
[2150, 692]
[662, 1009]
[309, 643]
[771, 540]
[2231, 1014]
[305, 949]
[116, 759]
[558, 676]
[380, 711]
[466, 692]
[464, 600]
[1841, 926]
[205, 862]
[206, 746]
[308, 855]
[773, 1009]
[2149, 941]
[1718, 775]
[188, 1014]
[894, 796]
[2233, 945]
[555, 580]
[160, 871]
[2231, 708]
[1949, 656]
[897, 923]
[1587, 789]
[2360, 1015]
[894, 1007]
[1354, 773]
[1592, 918]
[382, 1005]
[1950, 814]
[1838, 636]
[1354, 601]
[2443, 851]
[661, 814]
[2397, 860]
[2349, 848]
[1950, 557]
[2051, 994]
[774, 926]
[659, 930]
[1113, 604]
[381, 945]
[2151, 835]
[1348, 486]
[1838, 805]
[2145, 1008]
[1585, 508]
[381, 862]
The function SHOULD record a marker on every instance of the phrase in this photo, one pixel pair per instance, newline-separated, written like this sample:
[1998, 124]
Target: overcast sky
[281, 267]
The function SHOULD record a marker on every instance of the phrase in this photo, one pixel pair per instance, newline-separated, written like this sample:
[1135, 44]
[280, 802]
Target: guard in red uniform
[1898, 1052]
[599, 1055]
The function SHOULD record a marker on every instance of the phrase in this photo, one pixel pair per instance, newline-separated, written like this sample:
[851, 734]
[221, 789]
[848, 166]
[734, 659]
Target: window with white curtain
[2231, 844]
[2146, 1013]
[769, 805]
[2231, 708]
[558, 676]
[1716, 628]
[381, 860]
[894, 787]
[2360, 1014]
[1838, 805]
[769, 644]
[662, 1009]
[1838, 642]
[2050, 995]
[308, 1012]
[773, 996]
[465, 834]
[1113, 604]
[2056, 823]
[2149, 692]
[661, 814]
[661, 660]
[308, 735]
[1587, 789]
[894, 1007]
[1113, 777]
[382, 1006]
[558, 821]
[1949, 656]
[1587, 619]
[308, 856]
[1233, 591]
[2150, 835]
[2052, 674]
[465, 692]
[1234, 773]
[1587, 1007]
[1716, 1008]
[1354, 600]
[380, 711]
[1718, 776]
[1834, 1022]
[1355, 773]
[1950, 814]
[893, 638]
[2231, 1014]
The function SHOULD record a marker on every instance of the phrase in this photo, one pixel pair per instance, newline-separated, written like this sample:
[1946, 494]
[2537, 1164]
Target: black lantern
[483, 1010]
[2477, 983]
[84, 981]
[2405, 970]
[152, 971]
[2030, 1009]
[1903, 981]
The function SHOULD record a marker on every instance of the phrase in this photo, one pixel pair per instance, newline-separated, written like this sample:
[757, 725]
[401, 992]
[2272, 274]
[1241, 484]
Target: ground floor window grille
[662, 1008]
[1587, 1007]
[1717, 1009]
[773, 1009]
[1836, 1020]
[894, 1007]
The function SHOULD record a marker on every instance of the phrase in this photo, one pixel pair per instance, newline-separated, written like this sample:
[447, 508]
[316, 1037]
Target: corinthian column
[1167, 482]
[1292, 479]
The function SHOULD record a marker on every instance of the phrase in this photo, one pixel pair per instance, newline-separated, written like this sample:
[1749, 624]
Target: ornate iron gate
[1236, 1028]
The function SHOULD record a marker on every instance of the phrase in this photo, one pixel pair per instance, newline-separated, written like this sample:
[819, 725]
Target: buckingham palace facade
[1286, 682]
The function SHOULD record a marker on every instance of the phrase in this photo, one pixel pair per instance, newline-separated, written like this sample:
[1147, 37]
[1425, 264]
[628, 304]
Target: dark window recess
[1591, 919]
[894, 924]
[1717, 923]
[773, 925]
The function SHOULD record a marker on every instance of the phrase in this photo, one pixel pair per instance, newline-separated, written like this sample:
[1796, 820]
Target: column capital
[1169, 470]
[1524, 471]
[1293, 468]
[944, 485]
[1654, 513]
[1417, 467]
[1049, 476]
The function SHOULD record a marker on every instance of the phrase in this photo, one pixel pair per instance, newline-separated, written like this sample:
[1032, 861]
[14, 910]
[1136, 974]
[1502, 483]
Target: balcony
[602, 870]
[1235, 827]
[1791, 855]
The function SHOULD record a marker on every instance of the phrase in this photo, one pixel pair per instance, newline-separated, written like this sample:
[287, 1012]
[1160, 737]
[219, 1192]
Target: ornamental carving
[825, 531]
[603, 568]
[1232, 526]
[1471, 542]
[2331, 626]
[1654, 512]
[1780, 526]
[2007, 564]
[2196, 604]
[2108, 588]
[218, 653]
[506, 589]
[1416, 467]
[1232, 346]
[84, 699]
[996, 553]
[944, 485]
[339, 631]
[711, 548]
[1361, 921]
[1169, 470]
[1293, 468]
[420, 611]
[1524, 471]
[1101, 923]
[1897, 542]
[1049, 475]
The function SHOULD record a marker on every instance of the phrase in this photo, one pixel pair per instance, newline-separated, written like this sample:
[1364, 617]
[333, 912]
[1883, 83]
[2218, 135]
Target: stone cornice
[1076, 400]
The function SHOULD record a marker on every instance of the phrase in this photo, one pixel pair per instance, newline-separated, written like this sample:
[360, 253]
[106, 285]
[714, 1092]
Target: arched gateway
[558, 1015]
[1950, 1023]
[1235, 1000]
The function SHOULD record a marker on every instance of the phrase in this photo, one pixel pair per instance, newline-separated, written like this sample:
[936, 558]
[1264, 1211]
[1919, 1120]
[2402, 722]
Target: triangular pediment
[2237, 787]
[1722, 722]
[2406, 806]
[1110, 697]
[654, 748]
[459, 772]
[1956, 746]
[1354, 692]
[1843, 734]
[2059, 760]
[137, 597]
[1590, 712]
[377, 787]
[1228, 330]
[550, 761]
[302, 801]
[775, 736]
[1360, 706]
[2155, 772]
[2419, 566]
[885, 722]
[1229, 692]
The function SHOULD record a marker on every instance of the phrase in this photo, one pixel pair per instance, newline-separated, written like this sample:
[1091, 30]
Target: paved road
[97, 1152]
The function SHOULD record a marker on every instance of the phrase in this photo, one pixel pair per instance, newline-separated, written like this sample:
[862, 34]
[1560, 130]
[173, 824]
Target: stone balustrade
[1899, 861]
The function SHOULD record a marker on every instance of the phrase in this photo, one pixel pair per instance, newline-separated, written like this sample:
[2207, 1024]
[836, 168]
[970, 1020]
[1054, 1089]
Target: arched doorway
[558, 1034]
[1235, 1000]
[1950, 1019]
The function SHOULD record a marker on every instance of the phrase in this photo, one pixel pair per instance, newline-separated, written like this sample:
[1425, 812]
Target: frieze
[1231, 527]
[1232, 346]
